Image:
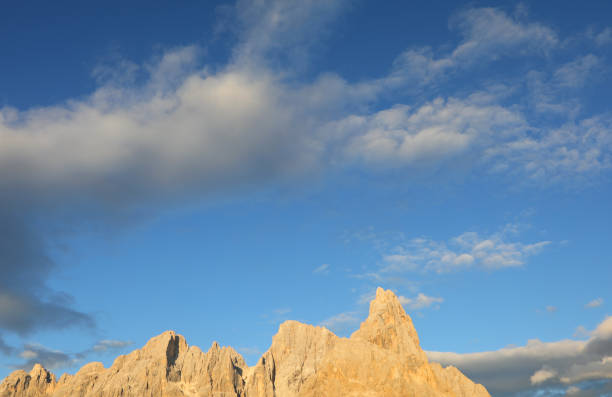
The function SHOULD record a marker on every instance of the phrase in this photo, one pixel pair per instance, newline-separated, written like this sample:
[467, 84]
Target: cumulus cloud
[475, 133]
[429, 135]
[563, 363]
[213, 130]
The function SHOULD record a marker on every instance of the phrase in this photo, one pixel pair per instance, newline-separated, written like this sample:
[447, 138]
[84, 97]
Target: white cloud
[488, 34]
[188, 130]
[594, 303]
[212, 131]
[421, 301]
[273, 29]
[475, 135]
[466, 250]
[429, 135]
[551, 309]
[574, 150]
[566, 362]
[492, 33]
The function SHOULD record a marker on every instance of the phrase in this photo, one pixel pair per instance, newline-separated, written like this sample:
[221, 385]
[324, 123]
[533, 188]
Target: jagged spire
[389, 327]
[382, 358]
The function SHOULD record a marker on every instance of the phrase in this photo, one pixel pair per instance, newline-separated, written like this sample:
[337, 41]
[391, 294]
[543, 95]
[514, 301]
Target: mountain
[383, 358]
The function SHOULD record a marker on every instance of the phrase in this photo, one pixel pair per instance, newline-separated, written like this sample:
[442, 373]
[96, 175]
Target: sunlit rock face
[381, 359]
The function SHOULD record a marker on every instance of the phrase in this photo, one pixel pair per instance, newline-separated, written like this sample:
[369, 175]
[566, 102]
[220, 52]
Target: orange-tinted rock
[381, 359]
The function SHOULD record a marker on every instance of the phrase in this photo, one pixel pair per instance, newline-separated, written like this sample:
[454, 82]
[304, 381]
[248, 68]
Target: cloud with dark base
[538, 364]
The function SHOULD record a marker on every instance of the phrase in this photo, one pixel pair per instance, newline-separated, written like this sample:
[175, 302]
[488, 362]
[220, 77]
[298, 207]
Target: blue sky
[218, 168]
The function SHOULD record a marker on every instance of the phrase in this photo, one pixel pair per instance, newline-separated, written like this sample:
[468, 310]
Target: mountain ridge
[383, 358]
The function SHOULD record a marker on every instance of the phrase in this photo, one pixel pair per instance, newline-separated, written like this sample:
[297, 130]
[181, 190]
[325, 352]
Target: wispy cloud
[342, 322]
[488, 34]
[323, 269]
[48, 358]
[581, 332]
[34, 353]
[604, 37]
[469, 249]
[110, 345]
[421, 301]
[594, 303]
[575, 73]
[250, 351]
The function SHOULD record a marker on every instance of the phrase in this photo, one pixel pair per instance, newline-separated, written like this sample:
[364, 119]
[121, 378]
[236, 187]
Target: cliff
[383, 358]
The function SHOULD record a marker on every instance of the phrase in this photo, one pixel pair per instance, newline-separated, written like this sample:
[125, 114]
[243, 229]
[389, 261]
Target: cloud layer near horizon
[538, 364]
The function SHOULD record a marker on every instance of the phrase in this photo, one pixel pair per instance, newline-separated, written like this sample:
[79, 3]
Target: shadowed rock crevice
[381, 359]
[173, 374]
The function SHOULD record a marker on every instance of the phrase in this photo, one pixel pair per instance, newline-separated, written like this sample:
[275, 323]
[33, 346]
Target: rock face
[381, 359]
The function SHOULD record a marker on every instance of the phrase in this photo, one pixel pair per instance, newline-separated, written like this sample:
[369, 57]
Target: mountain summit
[381, 359]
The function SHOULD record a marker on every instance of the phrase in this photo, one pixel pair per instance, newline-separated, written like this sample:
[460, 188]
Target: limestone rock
[381, 359]
[389, 327]
[296, 352]
[38, 383]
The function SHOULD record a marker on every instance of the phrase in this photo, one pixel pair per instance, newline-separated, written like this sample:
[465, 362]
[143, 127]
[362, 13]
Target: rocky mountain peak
[389, 327]
[381, 359]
